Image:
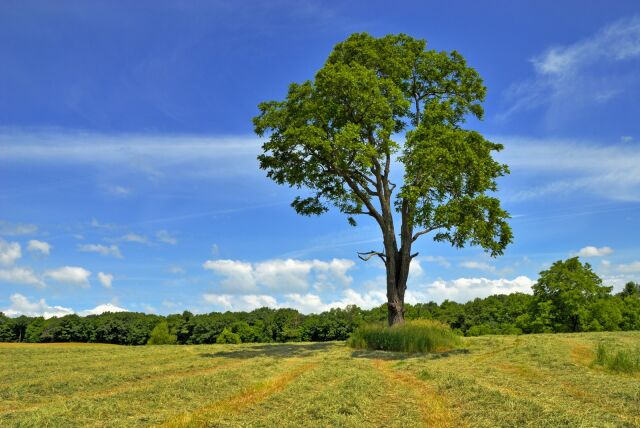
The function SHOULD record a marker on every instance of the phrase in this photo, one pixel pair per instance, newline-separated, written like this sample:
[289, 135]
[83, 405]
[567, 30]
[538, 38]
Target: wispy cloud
[154, 155]
[585, 72]
[14, 229]
[610, 171]
[103, 250]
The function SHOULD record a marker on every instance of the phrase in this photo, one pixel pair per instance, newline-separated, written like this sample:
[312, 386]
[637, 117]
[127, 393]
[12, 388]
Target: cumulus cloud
[13, 229]
[166, 237]
[305, 303]
[20, 275]
[20, 305]
[247, 302]
[591, 251]
[465, 289]
[9, 252]
[100, 309]
[585, 72]
[103, 250]
[39, 247]
[282, 275]
[73, 275]
[106, 279]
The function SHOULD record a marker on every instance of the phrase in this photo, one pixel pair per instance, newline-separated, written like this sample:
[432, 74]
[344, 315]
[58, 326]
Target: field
[537, 380]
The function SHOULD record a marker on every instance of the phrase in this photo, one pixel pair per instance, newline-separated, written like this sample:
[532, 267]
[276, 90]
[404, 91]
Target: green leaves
[335, 136]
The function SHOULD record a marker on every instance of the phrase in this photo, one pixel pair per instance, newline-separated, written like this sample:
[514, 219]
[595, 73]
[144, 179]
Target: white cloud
[20, 275]
[100, 309]
[103, 250]
[134, 237]
[609, 171]
[626, 138]
[166, 237]
[633, 267]
[238, 276]
[437, 259]
[154, 155]
[20, 305]
[70, 275]
[215, 250]
[246, 302]
[39, 246]
[572, 76]
[9, 252]
[13, 229]
[591, 251]
[106, 279]
[283, 275]
[305, 303]
[415, 269]
[119, 190]
[465, 289]
[478, 266]
[176, 269]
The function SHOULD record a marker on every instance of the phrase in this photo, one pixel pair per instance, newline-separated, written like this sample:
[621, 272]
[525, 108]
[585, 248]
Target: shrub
[619, 360]
[227, 336]
[412, 336]
[160, 335]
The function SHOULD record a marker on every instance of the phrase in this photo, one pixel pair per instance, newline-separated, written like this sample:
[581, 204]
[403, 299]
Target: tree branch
[424, 232]
[367, 256]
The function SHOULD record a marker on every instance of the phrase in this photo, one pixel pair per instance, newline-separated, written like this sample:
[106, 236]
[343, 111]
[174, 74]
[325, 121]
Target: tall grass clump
[619, 360]
[413, 336]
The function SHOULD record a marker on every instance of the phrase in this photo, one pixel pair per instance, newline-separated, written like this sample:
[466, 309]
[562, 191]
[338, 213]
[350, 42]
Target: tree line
[568, 297]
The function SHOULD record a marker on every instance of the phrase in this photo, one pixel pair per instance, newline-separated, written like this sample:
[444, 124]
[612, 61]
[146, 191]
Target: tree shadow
[389, 355]
[286, 350]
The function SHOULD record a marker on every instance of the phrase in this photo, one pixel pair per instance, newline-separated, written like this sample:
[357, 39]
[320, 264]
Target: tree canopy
[380, 104]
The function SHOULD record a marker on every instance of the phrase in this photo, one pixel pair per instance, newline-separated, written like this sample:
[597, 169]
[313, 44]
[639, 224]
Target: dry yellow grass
[499, 381]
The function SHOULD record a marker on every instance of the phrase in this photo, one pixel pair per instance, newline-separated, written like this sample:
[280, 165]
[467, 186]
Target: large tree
[339, 138]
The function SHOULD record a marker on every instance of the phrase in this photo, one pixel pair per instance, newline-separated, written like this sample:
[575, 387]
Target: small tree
[338, 136]
[227, 336]
[160, 335]
[569, 288]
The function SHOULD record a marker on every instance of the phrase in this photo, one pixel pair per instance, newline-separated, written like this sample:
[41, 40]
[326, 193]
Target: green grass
[626, 360]
[411, 337]
[499, 381]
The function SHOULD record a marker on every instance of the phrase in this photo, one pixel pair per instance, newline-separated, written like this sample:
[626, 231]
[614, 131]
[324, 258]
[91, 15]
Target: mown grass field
[537, 380]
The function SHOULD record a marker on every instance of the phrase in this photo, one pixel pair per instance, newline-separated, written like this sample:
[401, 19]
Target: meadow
[531, 380]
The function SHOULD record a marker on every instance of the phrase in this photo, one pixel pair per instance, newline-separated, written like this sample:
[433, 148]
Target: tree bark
[397, 269]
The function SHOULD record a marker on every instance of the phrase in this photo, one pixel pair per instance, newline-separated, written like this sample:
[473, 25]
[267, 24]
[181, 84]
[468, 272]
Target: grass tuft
[618, 360]
[413, 337]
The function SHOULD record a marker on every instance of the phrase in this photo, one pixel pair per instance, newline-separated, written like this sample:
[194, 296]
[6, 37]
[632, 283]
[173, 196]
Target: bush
[160, 335]
[619, 360]
[227, 336]
[412, 336]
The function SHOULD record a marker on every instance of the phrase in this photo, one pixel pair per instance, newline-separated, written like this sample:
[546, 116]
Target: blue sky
[128, 177]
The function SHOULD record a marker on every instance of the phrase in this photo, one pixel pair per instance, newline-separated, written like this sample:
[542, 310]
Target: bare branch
[367, 256]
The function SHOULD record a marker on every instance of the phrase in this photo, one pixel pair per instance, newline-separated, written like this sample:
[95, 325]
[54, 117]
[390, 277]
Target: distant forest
[568, 297]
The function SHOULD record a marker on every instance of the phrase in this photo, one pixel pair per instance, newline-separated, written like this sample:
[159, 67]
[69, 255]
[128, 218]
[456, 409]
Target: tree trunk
[397, 266]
